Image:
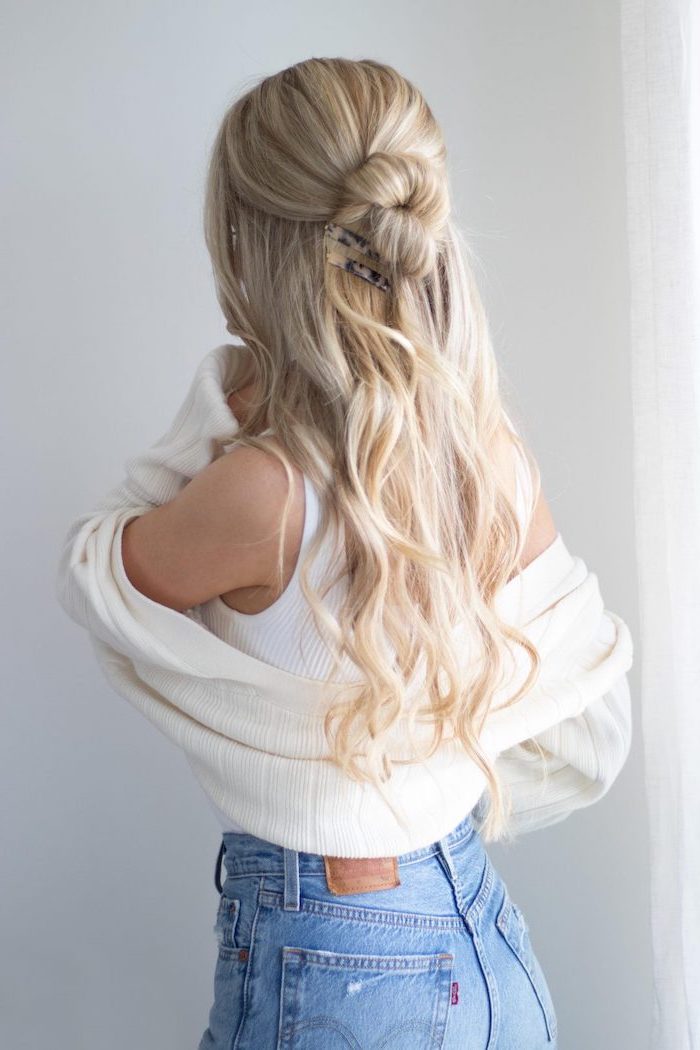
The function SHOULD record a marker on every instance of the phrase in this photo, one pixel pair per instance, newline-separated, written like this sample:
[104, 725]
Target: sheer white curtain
[661, 68]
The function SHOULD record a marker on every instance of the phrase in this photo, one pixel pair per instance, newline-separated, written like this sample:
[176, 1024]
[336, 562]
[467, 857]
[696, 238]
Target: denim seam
[236, 1038]
[479, 902]
[507, 911]
[491, 989]
[425, 962]
[356, 913]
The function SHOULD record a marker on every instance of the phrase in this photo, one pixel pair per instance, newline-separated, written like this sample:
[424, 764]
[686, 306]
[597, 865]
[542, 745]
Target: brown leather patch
[361, 874]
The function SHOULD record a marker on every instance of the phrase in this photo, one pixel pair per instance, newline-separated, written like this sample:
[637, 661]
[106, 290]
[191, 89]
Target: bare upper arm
[542, 530]
[541, 533]
[220, 533]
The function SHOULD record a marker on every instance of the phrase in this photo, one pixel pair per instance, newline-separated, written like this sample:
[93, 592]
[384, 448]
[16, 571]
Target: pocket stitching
[293, 958]
[356, 961]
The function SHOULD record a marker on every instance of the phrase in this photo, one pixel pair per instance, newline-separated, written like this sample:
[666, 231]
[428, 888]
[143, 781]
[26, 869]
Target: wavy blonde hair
[389, 401]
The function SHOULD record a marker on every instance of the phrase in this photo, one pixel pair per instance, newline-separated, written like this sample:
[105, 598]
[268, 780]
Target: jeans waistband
[246, 854]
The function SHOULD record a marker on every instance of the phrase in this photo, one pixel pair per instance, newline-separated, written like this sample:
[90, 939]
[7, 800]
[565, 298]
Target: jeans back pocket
[354, 1002]
[514, 928]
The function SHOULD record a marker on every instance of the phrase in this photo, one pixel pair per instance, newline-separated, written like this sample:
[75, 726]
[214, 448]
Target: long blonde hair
[389, 401]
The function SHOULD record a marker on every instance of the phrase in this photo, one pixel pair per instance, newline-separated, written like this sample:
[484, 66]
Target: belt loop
[291, 880]
[446, 857]
[217, 867]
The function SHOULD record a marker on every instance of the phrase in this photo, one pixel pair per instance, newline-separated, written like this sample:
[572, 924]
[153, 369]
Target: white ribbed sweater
[284, 633]
[253, 732]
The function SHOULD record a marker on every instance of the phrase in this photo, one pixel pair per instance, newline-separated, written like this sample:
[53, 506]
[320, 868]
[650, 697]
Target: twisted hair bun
[399, 202]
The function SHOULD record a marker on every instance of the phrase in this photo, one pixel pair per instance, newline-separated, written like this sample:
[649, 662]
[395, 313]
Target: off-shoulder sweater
[252, 732]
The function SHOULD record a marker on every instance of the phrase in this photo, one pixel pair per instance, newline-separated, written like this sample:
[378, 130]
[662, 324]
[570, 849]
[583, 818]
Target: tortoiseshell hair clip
[352, 252]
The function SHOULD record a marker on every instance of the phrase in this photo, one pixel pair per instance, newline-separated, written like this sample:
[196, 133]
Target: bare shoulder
[220, 533]
[504, 453]
[541, 528]
[247, 480]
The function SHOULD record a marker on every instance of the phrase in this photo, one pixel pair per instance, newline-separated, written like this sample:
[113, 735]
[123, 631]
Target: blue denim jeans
[443, 960]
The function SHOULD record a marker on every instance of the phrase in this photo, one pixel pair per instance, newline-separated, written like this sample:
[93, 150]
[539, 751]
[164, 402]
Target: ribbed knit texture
[285, 634]
[253, 732]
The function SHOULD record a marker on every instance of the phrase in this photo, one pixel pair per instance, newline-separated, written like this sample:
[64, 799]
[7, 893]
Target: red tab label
[455, 993]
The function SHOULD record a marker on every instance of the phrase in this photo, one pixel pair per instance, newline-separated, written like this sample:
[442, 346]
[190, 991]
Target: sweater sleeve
[582, 757]
[200, 430]
[197, 435]
[582, 752]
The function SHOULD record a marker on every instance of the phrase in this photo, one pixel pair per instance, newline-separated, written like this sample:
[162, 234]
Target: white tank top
[285, 633]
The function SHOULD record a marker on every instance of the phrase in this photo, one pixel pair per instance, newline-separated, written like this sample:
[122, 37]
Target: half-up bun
[399, 202]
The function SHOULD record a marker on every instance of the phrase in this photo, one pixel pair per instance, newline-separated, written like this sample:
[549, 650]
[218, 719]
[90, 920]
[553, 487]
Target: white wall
[108, 844]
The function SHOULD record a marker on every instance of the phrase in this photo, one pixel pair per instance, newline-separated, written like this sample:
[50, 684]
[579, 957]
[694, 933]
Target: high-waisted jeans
[443, 960]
